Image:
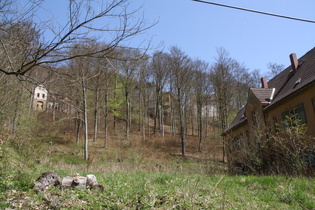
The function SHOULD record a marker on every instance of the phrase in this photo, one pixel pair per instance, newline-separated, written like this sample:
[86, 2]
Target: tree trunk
[199, 116]
[115, 98]
[155, 116]
[78, 122]
[85, 114]
[127, 115]
[162, 122]
[181, 121]
[15, 115]
[192, 118]
[30, 108]
[96, 103]
[54, 111]
[173, 121]
[142, 113]
[106, 119]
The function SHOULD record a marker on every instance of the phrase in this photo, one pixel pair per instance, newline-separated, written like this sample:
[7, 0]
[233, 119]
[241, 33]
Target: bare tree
[144, 95]
[243, 81]
[129, 65]
[223, 83]
[180, 70]
[160, 68]
[27, 42]
[201, 87]
[109, 80]
[274, 69]
[256, 78]
[111, 22]
[82, 71]
[99, 84]
[15, 41]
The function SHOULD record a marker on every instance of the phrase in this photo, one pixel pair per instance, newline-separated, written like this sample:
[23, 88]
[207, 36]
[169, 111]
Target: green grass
[147, 190]
[136, 183]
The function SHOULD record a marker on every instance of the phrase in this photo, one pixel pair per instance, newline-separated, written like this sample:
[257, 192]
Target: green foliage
[115, 104]
[294, 126]
[292, 144]
[286, 151]
[16, 181]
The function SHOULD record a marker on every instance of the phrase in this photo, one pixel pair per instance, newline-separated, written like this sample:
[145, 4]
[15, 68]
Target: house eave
[293, 94]
[234, 127]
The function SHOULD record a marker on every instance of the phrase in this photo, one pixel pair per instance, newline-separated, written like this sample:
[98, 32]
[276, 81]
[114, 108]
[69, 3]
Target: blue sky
[199, 29]
[252, 39]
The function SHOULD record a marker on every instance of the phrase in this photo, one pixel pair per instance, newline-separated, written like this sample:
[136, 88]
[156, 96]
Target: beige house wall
[255, 133]
[235, 157]
[305, 97]
[254, 112]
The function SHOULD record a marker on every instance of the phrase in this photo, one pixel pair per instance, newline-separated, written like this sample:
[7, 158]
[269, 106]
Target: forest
[112, 88]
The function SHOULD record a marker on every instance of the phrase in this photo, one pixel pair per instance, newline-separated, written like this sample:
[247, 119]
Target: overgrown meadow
[136, 178]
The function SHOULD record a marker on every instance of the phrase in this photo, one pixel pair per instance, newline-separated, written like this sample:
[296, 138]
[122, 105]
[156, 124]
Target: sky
[200, 29]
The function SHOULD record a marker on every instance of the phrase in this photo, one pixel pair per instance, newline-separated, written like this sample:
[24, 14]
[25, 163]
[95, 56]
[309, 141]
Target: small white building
[40, 98]
[48, 101]
[209, 108]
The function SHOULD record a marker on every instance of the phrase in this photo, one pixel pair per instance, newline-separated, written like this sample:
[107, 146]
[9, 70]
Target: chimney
[264, 83]
[294, 62]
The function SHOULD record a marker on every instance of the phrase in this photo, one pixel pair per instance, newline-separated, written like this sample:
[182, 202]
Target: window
[294, 116]
[238, 142]
[276, 125]
[254, 118]
[38, 95]
[309, 158]
[43, 95]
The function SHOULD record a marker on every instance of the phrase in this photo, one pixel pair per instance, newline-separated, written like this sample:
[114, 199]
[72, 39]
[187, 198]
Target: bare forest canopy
[108, 87]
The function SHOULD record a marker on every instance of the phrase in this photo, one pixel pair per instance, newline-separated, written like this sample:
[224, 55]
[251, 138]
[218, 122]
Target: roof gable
[289, 81]
[264, 95]
[282, 86]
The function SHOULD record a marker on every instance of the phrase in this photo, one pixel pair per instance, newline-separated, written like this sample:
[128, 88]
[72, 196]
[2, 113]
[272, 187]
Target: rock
[51, 178]
[79, 182]
[67, 182]
[47, 179]
[91, 180]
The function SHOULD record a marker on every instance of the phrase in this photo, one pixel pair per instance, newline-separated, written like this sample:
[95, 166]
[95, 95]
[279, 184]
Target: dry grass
[155, 153]
[147, 174]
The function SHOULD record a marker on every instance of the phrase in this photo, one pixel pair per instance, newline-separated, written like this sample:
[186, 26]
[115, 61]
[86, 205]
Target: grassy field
[161, 190]
[140, 175]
